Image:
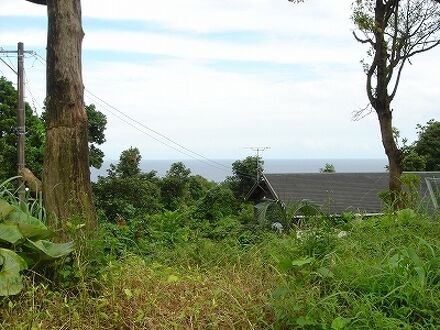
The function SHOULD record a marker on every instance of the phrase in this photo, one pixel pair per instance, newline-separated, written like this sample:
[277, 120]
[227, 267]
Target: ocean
[218, 170]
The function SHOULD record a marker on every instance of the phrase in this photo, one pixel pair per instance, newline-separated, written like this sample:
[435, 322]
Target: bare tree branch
[362, 113]
[363, 41]
[369, 86]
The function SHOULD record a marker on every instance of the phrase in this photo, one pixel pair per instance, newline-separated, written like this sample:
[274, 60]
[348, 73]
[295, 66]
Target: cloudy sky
[217, 76]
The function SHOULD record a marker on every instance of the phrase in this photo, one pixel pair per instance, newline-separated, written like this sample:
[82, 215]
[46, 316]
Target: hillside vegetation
[176, 271]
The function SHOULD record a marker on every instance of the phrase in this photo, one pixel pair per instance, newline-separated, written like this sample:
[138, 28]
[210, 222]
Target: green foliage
[174, 186]
[423, 154]
[23, 243]
[408, 197]
[363, 15]
[219, 202]
[245, 173]
[126, 197]
[384, 274]
[269, 212]
[128, 165]
[35, 134]
[328, 168]
[198, 186]
[412, 161]
[127, 192]
[428, 144]
[97, 125]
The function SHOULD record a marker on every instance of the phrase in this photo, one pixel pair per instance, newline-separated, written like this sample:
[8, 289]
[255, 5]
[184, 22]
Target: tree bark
[66, 175]
[381, 101]
[393, 153]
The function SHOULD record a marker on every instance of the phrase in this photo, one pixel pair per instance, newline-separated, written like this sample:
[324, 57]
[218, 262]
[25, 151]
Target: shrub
[23, 242]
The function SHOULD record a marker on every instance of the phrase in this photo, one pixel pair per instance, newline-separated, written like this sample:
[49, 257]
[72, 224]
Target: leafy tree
[127, 192]
[34, 146]
[97, 124]
[395, 31]
[412, 161]
[217, 203]
[35, 134]
[245, 174]
[174, 187]
[66, 185]
[128, 165]
[428, 144]
[198, 187]
[328, 168]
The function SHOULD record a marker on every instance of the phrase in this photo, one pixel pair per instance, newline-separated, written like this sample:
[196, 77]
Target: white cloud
[218, 111]
[279, 16]
[277, 51]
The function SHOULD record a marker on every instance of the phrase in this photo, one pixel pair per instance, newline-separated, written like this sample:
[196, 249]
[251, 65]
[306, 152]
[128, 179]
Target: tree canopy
[35, 139]
[35, 134]
[97, 125]
[244, 175]
[394, 31]
[428, 144]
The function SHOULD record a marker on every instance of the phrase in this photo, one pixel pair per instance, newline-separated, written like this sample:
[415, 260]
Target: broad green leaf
[48, 250]
[412, 254]
[285, 265]
[304, 321]
[29, 226]
[10, 233]
[261, 209]
[302, 261]
[172, 278]
[5, 208]
[325, 272]
[128, 293]
[395, 260]
[10, 278]
[406, 215]
[280, 293]
[340, 323]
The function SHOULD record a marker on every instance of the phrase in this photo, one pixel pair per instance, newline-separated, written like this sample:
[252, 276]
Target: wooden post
[20, 118]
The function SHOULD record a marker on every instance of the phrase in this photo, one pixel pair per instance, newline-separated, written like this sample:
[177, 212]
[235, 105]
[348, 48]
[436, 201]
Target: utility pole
[258, 150]
[21, 129]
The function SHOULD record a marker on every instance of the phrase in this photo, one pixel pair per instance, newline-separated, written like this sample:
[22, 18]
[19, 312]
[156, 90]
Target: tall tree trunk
[381, 104]
[66, 178]
[392, 151]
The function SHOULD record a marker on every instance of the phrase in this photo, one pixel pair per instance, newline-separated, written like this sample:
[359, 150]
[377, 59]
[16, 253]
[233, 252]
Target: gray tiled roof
[337, 192]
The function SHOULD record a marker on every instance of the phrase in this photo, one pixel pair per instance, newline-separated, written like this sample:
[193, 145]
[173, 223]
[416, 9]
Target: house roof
[334, 193]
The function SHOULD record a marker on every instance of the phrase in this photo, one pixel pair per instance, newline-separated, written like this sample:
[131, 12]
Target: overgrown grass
[170, 272]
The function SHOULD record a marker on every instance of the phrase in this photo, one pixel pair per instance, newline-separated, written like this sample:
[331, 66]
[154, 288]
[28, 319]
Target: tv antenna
[258, 150]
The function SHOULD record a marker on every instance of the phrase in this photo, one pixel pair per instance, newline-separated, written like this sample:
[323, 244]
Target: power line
[151, 136]
[34, 100]
[174, 145]
[158, 133]
[9, 66]
[147, 130]
[186, 151]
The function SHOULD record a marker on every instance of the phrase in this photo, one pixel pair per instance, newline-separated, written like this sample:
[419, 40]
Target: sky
[220, 76]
